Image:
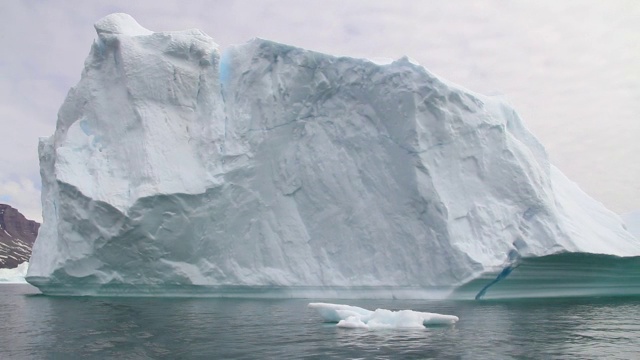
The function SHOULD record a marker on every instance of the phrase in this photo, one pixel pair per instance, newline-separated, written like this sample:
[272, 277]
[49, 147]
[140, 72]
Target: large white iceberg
[273, 167]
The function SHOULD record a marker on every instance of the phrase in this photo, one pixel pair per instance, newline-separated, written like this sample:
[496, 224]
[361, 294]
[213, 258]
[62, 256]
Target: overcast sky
[570, 68]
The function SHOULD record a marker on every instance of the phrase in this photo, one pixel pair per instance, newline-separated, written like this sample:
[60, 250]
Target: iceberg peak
[120, 24]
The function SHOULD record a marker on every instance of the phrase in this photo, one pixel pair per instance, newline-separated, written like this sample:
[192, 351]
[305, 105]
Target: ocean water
[34, 326]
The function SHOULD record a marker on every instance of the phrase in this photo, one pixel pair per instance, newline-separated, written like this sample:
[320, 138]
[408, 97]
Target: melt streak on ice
[276, 167]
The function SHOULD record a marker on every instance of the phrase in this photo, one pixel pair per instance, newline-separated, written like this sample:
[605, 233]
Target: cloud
[23, 195]
[569, 67]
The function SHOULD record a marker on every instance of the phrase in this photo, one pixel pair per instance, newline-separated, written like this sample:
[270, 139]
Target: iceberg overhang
[277, 168]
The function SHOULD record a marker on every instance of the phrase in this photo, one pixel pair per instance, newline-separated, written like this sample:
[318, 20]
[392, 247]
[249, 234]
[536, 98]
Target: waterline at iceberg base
[559, 275]
[271, 170]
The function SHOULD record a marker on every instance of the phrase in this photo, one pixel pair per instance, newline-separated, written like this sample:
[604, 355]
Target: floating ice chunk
[348, 316]
[337, 312]
[15, 275]
[352, 322]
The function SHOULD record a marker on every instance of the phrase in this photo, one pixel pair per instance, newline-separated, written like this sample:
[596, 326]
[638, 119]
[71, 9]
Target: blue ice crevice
[513, 260]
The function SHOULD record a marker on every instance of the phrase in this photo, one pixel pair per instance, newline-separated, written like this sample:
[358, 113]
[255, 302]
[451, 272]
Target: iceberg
[632, 222]
[348, 316]
[278, 171]
[15, 275]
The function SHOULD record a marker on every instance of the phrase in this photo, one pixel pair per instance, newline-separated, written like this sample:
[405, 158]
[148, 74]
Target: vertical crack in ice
[224, 74]
[513, 260]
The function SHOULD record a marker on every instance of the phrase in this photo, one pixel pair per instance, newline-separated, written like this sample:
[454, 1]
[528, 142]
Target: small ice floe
[348, 316]
[14, 276]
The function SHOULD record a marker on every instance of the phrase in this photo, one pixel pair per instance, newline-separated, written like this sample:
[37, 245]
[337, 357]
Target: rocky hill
[17, 235]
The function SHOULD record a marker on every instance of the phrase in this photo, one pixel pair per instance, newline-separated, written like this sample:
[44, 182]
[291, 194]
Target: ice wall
[274, 166]
[632, 222]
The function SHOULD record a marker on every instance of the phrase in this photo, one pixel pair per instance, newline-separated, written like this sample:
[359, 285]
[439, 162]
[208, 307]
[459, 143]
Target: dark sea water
[35, 326]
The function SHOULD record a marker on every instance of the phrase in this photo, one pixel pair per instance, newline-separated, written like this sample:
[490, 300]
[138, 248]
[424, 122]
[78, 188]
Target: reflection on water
[36, 326]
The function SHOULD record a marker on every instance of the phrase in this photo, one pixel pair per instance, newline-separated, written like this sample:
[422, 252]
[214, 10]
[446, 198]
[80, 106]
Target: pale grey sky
[570, 68]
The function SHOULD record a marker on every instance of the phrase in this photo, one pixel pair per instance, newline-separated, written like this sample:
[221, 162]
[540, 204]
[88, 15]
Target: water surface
[36, 327]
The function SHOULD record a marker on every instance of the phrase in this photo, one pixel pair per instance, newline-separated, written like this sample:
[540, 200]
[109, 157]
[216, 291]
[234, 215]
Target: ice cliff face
[632, 222]
[276, 166]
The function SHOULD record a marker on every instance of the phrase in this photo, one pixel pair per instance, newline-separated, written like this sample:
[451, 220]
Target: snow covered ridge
[271, 166]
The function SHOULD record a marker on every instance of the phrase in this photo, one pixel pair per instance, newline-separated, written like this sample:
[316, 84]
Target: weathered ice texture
[276, 167]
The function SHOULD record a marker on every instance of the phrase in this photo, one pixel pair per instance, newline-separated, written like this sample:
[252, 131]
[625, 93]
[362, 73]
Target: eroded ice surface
[355, 317]
[276, 167]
